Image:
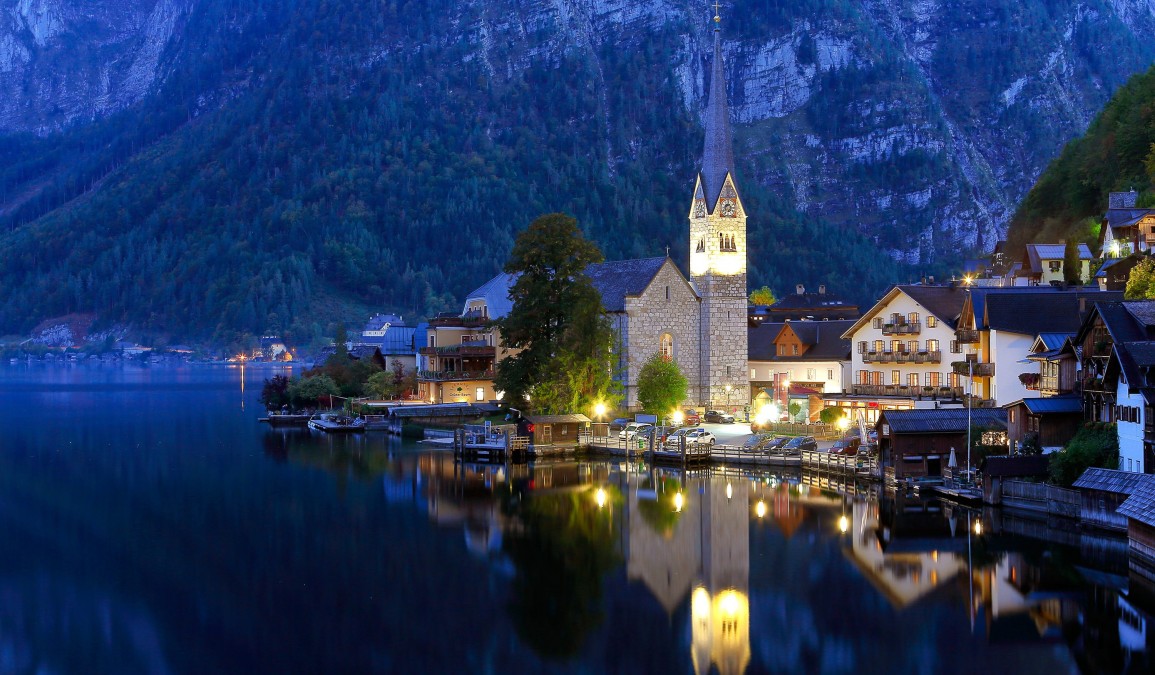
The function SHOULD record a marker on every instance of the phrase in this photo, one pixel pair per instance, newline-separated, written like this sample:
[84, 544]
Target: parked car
[846, 446]
[798, 444]
[699, 437]
[719, 417]
[619, 423]
[774, 446]
[634, 429]
[691, 418]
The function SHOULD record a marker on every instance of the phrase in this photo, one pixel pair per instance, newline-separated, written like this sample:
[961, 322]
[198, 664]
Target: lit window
[480, 393]
[666, 346]
[931, 321]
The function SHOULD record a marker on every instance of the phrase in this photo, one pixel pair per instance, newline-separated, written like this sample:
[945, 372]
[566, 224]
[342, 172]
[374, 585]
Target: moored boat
[335, 423]
[278, 419]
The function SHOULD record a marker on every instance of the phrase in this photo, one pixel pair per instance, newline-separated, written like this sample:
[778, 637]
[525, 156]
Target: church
[699, 322]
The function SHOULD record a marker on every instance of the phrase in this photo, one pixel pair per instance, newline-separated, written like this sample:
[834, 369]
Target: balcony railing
[979, 369]
[904, 328]
[456, 321]
[460, 350]
[917, 391]
[976, 402]
[902, 357]
[453, 375]
[966, 336]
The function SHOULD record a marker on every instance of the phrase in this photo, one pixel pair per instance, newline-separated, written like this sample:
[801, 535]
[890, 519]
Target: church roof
[619, 279]
[718, 153]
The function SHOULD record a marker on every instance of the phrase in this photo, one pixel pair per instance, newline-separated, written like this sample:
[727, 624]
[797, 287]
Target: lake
[150, 524]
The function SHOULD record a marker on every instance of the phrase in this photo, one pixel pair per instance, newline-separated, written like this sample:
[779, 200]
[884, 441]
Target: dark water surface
[149, 524]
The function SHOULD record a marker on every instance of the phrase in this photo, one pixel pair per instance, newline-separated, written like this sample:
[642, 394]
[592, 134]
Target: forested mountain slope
[210, 166]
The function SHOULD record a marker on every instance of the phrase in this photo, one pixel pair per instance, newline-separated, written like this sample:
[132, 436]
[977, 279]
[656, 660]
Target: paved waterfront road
[737, 433]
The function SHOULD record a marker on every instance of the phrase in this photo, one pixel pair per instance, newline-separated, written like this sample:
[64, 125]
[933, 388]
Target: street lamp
[600, 497]
[599, 410]
[728, 388]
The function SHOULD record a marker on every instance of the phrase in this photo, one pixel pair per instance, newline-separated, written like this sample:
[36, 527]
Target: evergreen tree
[557, 321]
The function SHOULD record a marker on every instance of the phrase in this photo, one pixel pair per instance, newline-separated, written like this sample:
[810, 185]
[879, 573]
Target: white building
[798, 362]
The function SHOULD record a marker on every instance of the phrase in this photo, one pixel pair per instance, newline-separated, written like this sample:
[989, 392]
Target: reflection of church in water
[705, 554]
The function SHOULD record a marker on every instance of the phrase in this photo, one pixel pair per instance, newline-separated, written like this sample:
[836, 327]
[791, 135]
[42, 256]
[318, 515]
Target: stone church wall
[654, 313]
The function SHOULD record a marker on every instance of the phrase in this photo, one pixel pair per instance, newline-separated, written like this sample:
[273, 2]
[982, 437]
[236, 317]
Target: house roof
[1037, 253]
[1023, 465]
[622, 278]
[1031, 312]
[1052, 405]
[811, 300]
[1109, 480]
[558, 419]
[824, 339]
[942, 420]
[495, 292]
[1122, 200]
[1140, 505]
[945, 302]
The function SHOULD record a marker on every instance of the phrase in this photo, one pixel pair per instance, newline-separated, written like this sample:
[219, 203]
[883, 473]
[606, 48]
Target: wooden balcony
[966, 336]
[979, 369]
[902, 357]
[907, 391]
[902, 328]
[454, 375]
[466, 349]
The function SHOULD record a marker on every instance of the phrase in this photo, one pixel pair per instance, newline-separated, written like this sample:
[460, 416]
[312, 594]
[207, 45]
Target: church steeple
[718, 154]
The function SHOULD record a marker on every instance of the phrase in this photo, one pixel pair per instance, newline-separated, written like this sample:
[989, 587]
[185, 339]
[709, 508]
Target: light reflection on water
[150, 525]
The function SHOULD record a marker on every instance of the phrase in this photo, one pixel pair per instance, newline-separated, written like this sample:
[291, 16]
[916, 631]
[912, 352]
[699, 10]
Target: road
[737, 433]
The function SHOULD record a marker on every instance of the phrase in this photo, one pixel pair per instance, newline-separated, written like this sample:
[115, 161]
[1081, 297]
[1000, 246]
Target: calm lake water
[149, 524]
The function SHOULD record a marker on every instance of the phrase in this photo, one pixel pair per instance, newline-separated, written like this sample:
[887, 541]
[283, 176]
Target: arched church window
[666, 346]
[701, 245]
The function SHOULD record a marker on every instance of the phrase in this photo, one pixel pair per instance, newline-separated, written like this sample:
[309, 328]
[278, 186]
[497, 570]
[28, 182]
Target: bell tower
[718, 253]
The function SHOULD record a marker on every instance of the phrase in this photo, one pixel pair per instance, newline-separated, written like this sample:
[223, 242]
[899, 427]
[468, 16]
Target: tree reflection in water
[562, 551]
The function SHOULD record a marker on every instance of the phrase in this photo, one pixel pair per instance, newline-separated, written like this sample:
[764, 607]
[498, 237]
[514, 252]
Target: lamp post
[728, 405]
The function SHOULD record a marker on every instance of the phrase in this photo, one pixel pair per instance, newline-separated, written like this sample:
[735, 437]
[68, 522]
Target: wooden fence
[1041, 497]
[823, 431]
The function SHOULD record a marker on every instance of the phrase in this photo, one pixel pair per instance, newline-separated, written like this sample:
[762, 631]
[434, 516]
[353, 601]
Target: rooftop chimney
[1082, 305]
[799, 289]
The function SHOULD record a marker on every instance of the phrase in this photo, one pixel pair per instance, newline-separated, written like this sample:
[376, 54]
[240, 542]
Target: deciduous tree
[1141, 282]
[661, 385]
[762, 296]
[557, 322]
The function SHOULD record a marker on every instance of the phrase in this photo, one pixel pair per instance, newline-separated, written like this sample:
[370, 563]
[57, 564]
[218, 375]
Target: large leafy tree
[1141, 281]
[661, 385]
[557, 326]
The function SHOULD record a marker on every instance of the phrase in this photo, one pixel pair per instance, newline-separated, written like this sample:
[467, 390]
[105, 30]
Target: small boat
[336, 423]
[281, 419]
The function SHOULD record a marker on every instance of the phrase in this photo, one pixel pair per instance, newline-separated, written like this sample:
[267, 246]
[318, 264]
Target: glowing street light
[978, 528]
[678, 502]
[760, 509]
[599, 410]
[678, 418]
[600, 497]
[843, 524]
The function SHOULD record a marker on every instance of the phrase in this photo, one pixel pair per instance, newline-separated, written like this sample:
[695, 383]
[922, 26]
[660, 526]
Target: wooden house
[917, 443]
[1046, 423]
[560, 430]
[1103, 492]
[1139, 509]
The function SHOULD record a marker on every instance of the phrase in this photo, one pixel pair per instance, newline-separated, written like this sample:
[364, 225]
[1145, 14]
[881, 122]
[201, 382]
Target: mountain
[212, 168]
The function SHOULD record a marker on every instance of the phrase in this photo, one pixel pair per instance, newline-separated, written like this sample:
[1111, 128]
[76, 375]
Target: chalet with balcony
[902, 350]
[1043, 425]
[1127, 228]
[396, 340]
[1108, 324]
[999, 328]
[1042, 264]
[458, 353]
[798, 362]
[1058, 366]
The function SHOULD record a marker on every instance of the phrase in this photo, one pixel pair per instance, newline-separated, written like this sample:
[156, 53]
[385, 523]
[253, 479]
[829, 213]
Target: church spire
[718, 154]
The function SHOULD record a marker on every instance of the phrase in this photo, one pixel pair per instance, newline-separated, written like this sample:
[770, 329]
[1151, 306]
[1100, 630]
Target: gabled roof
[1140, 505]
[942, 420]
[620, 279]
[1109, 480]
[1052, 405]
[944, 302]
[1039, 252]
[811, 300]
[1031, 312]
[824, 339]
[495, 292]
[576, 418]
[1120, 320]
[1122, 200]
[718, 150]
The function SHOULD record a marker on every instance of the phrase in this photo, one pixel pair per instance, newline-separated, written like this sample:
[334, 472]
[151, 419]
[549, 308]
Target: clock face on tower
[729, 210]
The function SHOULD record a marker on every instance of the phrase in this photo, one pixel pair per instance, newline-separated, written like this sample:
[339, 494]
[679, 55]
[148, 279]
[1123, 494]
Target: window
[810, 374]
[862, 347]
[830, 375]
[795, 348]
[480, 393]
[666, 346]
[432, 340]
[955, 379]
[896, 377]
[667, 293]
[933, 379]
[878, 345]
[878, 322]
[864, 377]
[1056, 265]
[912, 346]
[1011, 415]
[896, 345]
[701, 246]
[931, 321]
[876, 377]
[955, 347]
[932, 345]
[912, 379]
[781, 350]
[912, 317]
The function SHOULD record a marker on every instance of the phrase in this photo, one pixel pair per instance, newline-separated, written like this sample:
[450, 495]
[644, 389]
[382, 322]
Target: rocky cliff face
[917, 123]
[63, 63]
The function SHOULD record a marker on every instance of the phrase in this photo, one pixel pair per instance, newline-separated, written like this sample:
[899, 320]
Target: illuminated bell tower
[718, 253]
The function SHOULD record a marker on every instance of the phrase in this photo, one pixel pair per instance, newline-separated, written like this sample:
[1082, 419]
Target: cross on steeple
[717, 15]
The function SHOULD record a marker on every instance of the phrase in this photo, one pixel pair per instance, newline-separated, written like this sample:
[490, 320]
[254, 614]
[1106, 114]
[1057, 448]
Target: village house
[803, 305]
[396, 341]
[1042, 265]
[1117, 343]
[998, 327]
[457, 353]
[901, 352]
[1139, 509]
[798, 362]
[1043, 424]
[1126, 228]
[1103, 491]
[918, 443]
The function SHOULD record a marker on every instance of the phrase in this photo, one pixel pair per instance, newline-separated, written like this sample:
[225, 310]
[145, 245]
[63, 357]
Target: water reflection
[687, 539]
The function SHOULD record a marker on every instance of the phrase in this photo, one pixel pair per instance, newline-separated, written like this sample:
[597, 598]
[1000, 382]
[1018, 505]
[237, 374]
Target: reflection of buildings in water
[706, 547]
[1019, 605]
[907, 554]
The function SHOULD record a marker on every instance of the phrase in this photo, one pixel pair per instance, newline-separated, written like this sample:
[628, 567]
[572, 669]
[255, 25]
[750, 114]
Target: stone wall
[668, 305]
